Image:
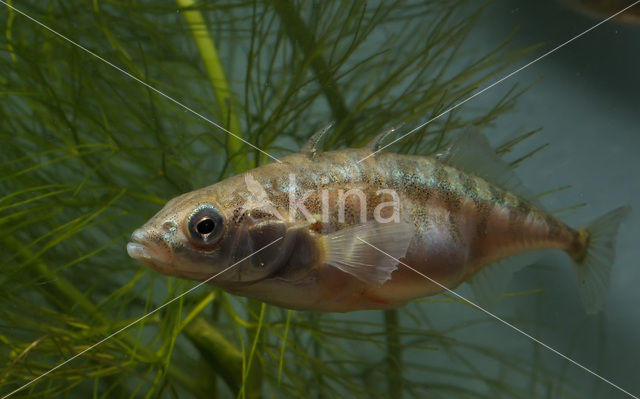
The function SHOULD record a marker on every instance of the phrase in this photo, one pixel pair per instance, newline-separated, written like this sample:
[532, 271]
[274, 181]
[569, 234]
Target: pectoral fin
[367, 251]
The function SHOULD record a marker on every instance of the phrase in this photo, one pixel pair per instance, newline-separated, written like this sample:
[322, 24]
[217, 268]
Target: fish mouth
[153, 253]
[139, 251]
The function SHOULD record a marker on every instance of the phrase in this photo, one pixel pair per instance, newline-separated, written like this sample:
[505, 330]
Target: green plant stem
[60, 287]
[224, 97]
[301, 35]
[394, 354]
[217, 350]
[253, 380]
[7, 32]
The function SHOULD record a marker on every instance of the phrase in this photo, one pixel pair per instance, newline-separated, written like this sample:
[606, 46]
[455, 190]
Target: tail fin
[592, 264]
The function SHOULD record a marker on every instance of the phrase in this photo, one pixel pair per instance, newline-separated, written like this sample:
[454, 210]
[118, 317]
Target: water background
[585, 99]
[588, 105]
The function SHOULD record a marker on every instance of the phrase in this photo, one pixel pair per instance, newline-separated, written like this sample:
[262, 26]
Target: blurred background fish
[599, 9]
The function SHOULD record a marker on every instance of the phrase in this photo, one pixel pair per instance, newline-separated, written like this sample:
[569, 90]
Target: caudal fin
[593, 263]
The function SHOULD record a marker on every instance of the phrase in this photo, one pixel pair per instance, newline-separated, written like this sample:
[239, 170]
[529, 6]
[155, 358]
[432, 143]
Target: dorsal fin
[311, 146]
[376, 142]
[471, 152]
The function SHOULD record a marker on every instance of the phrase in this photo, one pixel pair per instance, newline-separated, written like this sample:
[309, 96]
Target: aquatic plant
[88, 153]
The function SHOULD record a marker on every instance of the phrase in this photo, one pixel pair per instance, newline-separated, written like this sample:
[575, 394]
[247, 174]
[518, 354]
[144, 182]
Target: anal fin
[490, 283]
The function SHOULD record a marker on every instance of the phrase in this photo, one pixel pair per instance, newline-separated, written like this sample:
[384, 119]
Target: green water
[89, 152]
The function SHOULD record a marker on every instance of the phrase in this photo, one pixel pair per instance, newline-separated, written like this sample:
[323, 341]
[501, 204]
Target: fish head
[183, 239]
[197, 236]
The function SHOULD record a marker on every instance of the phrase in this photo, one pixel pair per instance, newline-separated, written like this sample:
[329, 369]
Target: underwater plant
[91, 151]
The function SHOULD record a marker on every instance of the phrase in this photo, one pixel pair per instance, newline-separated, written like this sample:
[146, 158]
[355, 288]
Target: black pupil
[205, 226]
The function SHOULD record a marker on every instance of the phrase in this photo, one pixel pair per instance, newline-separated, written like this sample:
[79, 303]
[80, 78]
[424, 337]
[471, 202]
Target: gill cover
[262, 249]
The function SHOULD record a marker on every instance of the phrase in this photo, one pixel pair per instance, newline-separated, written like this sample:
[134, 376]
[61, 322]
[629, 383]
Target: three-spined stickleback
[330, 229]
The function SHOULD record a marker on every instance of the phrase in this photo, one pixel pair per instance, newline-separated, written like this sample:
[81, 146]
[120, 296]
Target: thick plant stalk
[225, 359]
[217, 77]
[394, 354]
[220, 85]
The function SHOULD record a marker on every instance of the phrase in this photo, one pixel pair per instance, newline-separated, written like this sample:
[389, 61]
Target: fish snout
[148, 247]
[140, 236]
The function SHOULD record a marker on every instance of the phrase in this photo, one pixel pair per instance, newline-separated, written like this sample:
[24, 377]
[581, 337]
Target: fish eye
[205, 226]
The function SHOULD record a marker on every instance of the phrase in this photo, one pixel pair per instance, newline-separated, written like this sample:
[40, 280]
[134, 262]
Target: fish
[341, 230]
[606, 8]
